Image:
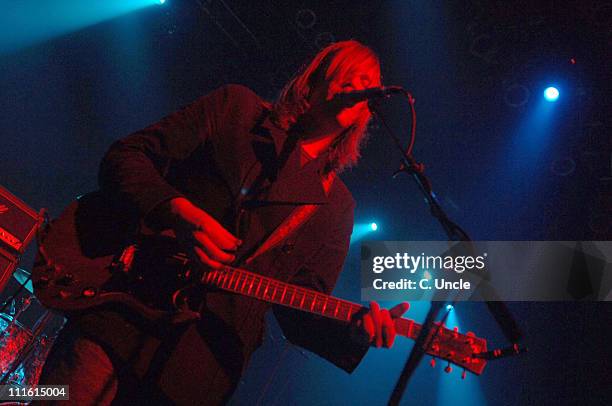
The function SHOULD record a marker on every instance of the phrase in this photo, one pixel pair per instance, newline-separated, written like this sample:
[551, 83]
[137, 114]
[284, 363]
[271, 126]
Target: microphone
[349, 99]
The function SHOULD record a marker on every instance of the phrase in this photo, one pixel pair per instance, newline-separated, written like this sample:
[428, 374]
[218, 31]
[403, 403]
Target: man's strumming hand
[207, 241]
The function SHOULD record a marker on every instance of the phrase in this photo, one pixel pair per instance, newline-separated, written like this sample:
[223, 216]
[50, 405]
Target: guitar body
[78, 265]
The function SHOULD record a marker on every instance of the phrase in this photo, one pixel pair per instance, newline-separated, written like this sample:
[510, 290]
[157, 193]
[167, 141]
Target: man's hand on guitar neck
[379, 324]
[209, 243]
[205, 239]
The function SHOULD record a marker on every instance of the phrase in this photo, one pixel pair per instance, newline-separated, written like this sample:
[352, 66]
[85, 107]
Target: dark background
[505, 164]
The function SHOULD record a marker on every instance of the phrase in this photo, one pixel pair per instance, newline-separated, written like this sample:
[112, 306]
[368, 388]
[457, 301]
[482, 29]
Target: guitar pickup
[177, 259]
[126, 259]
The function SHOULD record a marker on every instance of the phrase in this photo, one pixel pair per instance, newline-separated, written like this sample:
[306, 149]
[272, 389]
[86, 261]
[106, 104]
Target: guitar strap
[293, 222]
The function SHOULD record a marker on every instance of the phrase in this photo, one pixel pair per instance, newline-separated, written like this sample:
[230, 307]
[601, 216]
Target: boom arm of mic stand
[410, 166]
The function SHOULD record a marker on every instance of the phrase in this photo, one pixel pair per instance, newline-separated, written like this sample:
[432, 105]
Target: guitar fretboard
[274, 291]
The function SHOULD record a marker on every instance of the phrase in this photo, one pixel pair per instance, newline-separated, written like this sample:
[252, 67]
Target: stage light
[162, 1]
[551, 94]
[20, 24]
[449, 307]
[361, 230]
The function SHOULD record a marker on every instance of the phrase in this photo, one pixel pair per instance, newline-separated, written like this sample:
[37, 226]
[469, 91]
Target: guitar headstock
[457, 348]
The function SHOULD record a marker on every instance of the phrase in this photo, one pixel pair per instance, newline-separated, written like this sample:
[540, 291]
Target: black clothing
[211, 152]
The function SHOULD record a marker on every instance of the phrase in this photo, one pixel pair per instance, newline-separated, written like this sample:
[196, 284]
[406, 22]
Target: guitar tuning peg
[432, 362]
[448, 368]
[463, 374]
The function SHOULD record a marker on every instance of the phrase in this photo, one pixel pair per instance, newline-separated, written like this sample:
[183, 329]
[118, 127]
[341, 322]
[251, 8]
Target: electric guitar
[84, 262]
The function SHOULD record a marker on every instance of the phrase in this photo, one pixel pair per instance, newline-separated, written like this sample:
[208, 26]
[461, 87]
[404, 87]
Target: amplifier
[8, 263]
[18, 223]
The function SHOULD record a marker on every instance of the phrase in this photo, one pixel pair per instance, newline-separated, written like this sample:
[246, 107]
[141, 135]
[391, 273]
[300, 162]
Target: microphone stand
[416, 170]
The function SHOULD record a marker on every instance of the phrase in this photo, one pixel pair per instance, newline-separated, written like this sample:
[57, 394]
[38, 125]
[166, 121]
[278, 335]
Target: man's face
[359, 78]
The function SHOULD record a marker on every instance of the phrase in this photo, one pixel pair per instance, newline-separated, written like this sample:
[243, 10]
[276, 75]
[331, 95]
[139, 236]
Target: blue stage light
[551, 94]
[162, 1]
[20, 22]
[449, 307]
[361, 230]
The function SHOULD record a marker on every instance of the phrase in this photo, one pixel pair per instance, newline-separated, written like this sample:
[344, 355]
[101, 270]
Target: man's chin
[349, 117]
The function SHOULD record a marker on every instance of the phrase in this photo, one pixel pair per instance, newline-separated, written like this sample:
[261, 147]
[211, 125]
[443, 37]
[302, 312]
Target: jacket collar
[295, 184]
[273, 131]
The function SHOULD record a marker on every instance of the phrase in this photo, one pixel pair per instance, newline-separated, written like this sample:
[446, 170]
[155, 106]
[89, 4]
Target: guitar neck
[270, 290]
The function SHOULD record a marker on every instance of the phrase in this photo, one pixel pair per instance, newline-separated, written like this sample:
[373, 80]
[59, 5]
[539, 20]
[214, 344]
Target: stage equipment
[8, 263]
[551, 94]
[516, 95]
[563, 166]
[454, 232]
[305, 19]
[18, 222]
[23, 277]
[18, 225]
[22, 351]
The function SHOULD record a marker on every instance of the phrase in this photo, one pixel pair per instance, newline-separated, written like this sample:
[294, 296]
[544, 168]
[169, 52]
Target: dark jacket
[211, 152]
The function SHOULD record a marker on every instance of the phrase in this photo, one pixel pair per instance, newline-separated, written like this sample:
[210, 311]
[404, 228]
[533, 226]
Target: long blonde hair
[334, 63]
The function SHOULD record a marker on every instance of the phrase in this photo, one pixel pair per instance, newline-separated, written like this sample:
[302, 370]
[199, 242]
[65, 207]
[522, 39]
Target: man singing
[223, 174]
